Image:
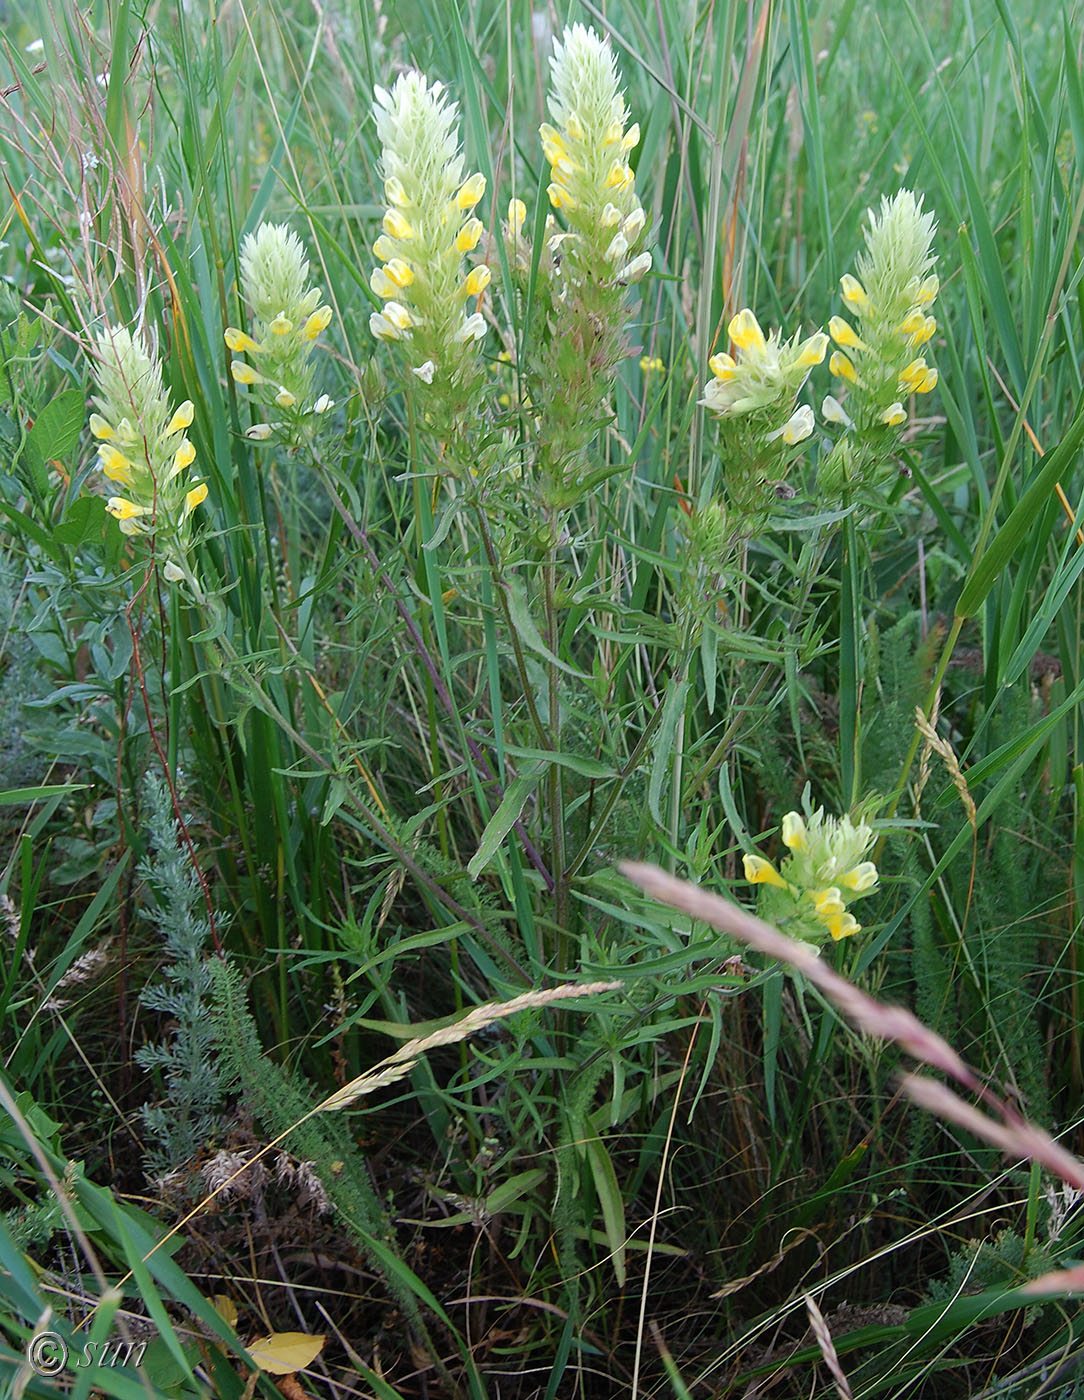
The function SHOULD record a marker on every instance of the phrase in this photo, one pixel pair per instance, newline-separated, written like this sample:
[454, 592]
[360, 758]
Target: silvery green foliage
[189, 1114]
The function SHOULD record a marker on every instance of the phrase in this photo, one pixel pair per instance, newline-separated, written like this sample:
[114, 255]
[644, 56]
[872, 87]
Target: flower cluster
[591, 180]
[288, 318]
[764, 377]
[753, 394]
[879, 359]
[428, 229]
[822, 873]
[142, 447]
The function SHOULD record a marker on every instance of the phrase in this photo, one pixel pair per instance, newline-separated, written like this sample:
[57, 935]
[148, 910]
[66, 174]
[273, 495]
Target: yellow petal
[182, 418]
[828, 901]
[477, 281]
[854, 294]
[100, 428]
[894, 415]
[244, 374]
[759, 871]
[811, 351]
[794, 833]
[470, 192]
[862, 877]
[744, 330]
[194, 498]
[843, 334]
[840, 366]
[396, 226]
[183, 457]
[115, 465]
[722, 366]
[281, 325]
[399, 272]
[239, 342]
[843, 925]
[317, 322]
[466, 240]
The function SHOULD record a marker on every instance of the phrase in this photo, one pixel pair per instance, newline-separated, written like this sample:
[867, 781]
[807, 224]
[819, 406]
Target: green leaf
[986, 570]
[613, 1207]
[57, 427]
[504, 818]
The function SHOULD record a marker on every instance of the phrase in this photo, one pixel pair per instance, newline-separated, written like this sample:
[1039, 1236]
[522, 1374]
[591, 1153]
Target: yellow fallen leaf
[284, 1352]
[226, 1308]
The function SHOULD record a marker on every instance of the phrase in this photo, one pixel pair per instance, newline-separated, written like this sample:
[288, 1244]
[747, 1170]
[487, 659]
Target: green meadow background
[249, 848]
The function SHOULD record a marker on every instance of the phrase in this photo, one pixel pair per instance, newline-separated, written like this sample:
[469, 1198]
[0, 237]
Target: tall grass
[411, 717]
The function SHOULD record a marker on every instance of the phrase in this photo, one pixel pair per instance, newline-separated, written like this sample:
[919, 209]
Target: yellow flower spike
[396, 226]
[863, 877]
[517, 215]
[195, 497]
[466, 240]
[399, 272]
[470, 192]
[854, 294]
[828, 901]
[182, 418]
[384, 248]
[115, 465]
[477, 281]
[723, 366]
[244, 374]
[894, 415]
[759, 871]
[794, 833]
[281, 325]
[317, 322]
[841, 367]
[100, 428]
[240, 343]
[284, 398]
[183, 457]
[843, 926]
[744, 330]
[844, 334]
